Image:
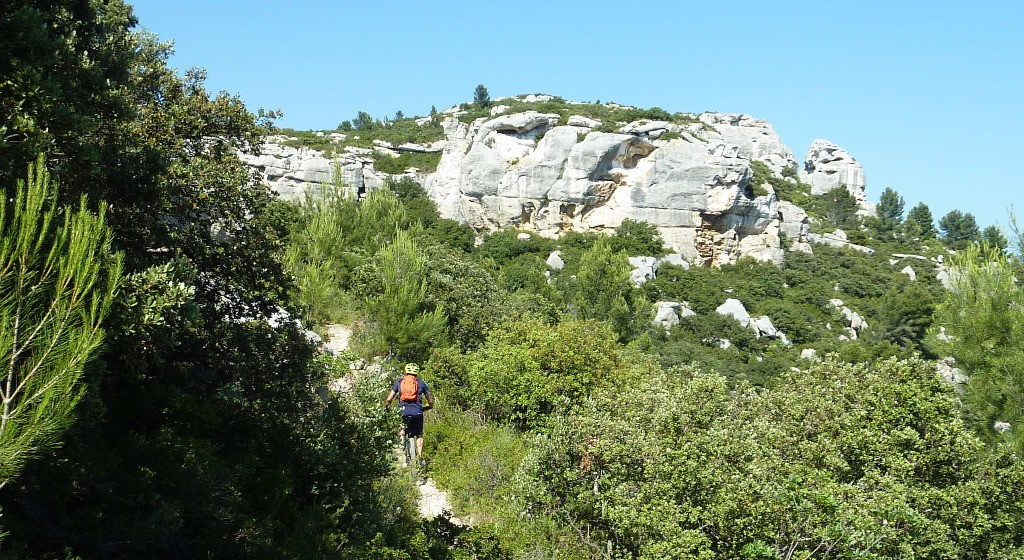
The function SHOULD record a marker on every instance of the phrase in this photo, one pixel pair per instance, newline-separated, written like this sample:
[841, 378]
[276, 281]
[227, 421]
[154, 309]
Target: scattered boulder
[644, 269]
[578, 120]
[947, 371]
[909, 271]
[668, 313]
[854, 322]
[1001, 427]
[808, 353]
[838, 239]
[734, 308]
[555, 260]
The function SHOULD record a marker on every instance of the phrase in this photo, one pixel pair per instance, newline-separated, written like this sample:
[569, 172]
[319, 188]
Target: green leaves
[58, 277]
[839, 461]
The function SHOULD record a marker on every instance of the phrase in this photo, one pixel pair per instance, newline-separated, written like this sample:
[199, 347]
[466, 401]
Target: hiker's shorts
[413, 425]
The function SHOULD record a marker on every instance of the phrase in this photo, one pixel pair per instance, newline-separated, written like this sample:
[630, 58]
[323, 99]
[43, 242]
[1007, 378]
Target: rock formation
[528, 171]
[551, 174]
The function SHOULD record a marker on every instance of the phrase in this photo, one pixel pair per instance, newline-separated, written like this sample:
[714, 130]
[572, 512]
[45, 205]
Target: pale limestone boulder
[794, 222]
[579, 120]
[644, 269]
[735, 309]
[676, 259]
[827, 166]
[948, 372]
[666, 314]
[763, 327]
[555, 260]
[838, 239]
[909, 271]
[854, 322]
[808, 353]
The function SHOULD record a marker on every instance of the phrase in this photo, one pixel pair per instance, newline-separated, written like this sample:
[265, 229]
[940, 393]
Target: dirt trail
[432, 501]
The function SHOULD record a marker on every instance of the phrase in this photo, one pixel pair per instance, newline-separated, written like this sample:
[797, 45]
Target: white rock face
[756, 139]
[524, 170]
[828, 166]
[290, 171]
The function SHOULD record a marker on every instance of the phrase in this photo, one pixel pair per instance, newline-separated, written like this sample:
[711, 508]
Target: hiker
[410, 390]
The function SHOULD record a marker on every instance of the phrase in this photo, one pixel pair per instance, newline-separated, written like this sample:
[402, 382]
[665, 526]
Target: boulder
[854, 322]
[827, 166]
[735, 309]
[578, 120]
[555, 260]
[644, 269]
[909, 272]
[808, 353]
[948, 372]
[666, 314]
[838, 239]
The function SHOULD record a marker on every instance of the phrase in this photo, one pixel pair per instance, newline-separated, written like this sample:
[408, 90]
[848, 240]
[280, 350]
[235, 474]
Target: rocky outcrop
[290, 171]
[828, 166]
[853, 322]
[667, 314]
[762, 326]
[544, 173]
[525, 170]
[838, 239]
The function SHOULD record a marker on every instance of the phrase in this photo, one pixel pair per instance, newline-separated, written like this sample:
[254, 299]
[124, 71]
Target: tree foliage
[836, 462]
[959, 229]
[481, 97]
[983, 315]
[920, 222]
[58, 279]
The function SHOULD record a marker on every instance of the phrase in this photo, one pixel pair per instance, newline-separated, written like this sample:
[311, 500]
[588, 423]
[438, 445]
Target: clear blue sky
[928, 96]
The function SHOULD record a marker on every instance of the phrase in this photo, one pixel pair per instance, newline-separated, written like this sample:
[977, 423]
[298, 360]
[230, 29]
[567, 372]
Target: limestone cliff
[553, 173]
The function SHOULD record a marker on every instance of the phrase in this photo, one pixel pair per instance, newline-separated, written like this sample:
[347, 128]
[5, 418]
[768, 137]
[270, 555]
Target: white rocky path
[432, 501]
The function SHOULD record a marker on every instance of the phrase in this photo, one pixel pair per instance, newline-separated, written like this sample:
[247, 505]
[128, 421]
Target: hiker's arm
[391, 397]
[430, 399]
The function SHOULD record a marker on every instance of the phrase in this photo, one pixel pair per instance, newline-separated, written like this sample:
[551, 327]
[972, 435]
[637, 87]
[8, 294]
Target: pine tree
[959, 229]
[889, 210]
[57, 282]
[920, 223]
[481, 97]
[396, 302]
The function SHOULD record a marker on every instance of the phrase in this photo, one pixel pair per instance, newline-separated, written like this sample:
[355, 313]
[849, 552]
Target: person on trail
[411, 390]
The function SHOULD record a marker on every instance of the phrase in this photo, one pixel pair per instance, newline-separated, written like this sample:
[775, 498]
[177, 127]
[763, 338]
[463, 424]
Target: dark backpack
[409, 389]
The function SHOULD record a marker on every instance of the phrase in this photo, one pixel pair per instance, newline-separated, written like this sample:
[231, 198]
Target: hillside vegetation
[205, 420]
